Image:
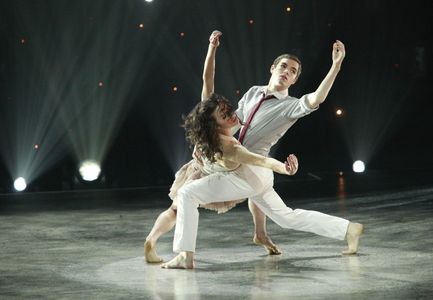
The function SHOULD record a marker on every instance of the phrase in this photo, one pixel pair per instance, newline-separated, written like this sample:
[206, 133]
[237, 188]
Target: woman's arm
[209, 66]
[240, 154]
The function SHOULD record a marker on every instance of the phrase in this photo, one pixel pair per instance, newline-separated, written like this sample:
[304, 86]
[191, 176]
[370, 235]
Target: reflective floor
[88, 245]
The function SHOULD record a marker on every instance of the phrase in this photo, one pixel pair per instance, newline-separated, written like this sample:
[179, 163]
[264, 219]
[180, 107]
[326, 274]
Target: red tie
[250, 117]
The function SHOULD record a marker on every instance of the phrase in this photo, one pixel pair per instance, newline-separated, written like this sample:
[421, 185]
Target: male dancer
[265, 122]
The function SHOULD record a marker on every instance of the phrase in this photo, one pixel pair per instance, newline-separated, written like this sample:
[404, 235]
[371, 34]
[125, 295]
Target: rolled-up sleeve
[298, 108]
[239, 111]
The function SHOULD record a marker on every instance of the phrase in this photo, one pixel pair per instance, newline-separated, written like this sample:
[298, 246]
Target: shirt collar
[279, 95]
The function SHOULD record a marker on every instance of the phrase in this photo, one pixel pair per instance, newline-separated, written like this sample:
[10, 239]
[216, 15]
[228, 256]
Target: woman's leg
[163, 224]
[260, 235]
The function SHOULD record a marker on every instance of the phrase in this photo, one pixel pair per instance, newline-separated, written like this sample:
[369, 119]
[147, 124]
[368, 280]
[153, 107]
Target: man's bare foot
[184, 260]
[354, 231]
[150, 253]
[268, 244]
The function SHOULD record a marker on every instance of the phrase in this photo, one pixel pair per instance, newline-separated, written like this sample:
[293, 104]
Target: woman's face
[224, 117]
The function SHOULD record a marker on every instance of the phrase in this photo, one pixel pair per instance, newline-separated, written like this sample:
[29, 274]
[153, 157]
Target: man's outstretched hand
[338, 53]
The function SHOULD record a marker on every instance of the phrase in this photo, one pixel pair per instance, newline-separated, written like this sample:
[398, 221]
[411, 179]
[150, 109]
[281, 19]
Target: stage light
[338, 112]
[175, 89]
[141, 25]
[358, 166]
[251, 21]
[182, 34]
[89, 170]
[148, 0]
[100, 84]
[20, 184]
[36, 146]
[288, 9]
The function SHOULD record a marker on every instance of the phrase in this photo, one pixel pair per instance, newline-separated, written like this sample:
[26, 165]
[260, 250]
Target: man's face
[284, 74]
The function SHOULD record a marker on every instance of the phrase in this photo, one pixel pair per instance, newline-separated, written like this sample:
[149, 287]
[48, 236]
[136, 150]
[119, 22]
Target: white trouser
[251, 182]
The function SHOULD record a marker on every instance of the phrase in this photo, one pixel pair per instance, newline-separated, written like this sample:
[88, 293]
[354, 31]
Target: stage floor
[88, 245]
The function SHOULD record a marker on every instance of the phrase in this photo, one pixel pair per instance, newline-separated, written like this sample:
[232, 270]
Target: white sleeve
[298, 108]
[240, 110]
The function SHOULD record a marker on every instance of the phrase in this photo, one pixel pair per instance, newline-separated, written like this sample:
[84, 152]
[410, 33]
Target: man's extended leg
[307, 220]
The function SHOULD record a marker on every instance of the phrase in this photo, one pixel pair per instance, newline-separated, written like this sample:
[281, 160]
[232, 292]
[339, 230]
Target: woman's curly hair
[201, 128]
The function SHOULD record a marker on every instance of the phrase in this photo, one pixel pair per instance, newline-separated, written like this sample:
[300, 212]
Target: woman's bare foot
[184, 260]
[268, 244]
[354, 231]
[150, 253]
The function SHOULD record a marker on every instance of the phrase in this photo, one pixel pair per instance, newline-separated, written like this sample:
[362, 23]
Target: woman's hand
[291, 164]
[214, 38]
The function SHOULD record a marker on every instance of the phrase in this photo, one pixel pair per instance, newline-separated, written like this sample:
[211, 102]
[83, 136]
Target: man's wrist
[336, 66]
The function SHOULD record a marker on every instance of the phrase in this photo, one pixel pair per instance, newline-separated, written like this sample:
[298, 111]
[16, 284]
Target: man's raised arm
[316, 98]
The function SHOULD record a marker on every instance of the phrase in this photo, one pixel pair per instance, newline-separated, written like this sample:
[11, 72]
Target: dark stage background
[111, 80]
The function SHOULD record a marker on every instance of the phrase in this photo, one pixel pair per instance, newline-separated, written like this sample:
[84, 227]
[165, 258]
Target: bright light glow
[288, 8]
[358, 166]
[339, 112]
[148, 0]
[89, 170]
[20, 184]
